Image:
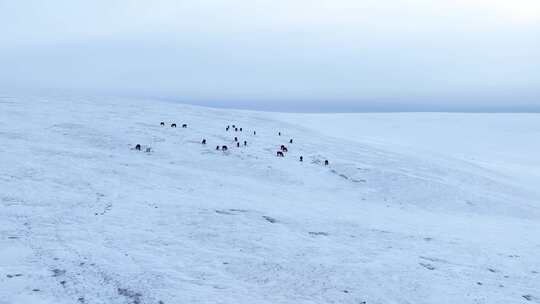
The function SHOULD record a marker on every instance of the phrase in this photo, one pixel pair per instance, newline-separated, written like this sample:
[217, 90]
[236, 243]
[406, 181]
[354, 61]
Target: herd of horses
[173, 125]
[279, 153]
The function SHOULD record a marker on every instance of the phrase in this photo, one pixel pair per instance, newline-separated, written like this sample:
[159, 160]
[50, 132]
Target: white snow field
[85, 218]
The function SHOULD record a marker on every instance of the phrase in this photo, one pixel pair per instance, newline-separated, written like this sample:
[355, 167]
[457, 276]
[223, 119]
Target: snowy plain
[414, 208]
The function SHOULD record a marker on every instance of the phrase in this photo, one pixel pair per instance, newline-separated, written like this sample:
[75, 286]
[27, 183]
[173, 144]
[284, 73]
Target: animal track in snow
[270, 219]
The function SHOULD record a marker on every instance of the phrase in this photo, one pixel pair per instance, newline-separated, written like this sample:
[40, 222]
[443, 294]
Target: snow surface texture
[87, 219]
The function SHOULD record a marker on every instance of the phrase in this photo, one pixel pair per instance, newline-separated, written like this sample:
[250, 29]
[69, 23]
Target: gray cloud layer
[310, 55]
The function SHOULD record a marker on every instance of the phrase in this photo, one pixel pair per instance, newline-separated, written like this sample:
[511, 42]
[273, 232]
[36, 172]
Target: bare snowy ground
[87, 219]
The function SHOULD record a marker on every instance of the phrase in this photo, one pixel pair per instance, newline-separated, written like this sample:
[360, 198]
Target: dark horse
[280, 154]
[138, 147]
[173, 125]
[162, 123]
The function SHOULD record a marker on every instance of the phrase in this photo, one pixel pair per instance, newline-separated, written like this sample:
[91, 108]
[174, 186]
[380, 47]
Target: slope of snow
[87, 219]
[502, 142]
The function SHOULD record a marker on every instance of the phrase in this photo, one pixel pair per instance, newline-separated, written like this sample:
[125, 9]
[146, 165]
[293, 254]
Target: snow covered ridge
[87, 219]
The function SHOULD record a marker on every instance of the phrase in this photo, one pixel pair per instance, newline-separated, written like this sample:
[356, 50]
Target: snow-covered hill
[85, 218]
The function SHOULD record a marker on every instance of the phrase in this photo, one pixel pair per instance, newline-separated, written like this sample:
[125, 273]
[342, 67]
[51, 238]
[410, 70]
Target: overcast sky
[304, 55]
